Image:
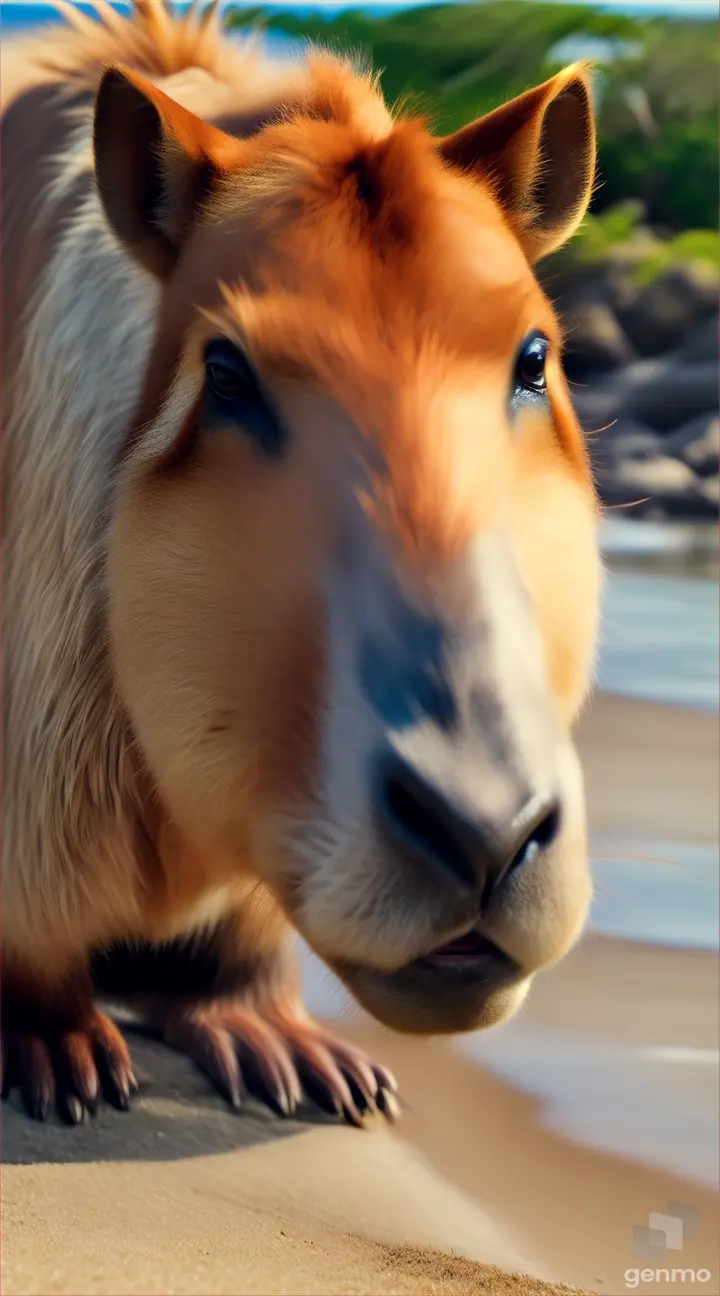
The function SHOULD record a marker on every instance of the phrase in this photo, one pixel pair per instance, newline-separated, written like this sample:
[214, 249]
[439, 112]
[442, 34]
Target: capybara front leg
[58, 1049]
[236, 1009]
[281, 1057]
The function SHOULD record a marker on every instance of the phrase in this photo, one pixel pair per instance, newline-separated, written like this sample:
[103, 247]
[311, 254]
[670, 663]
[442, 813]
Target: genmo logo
[665, 1232]
[634, 1277]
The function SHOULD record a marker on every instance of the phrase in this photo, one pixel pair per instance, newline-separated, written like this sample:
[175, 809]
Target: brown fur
[170, 699]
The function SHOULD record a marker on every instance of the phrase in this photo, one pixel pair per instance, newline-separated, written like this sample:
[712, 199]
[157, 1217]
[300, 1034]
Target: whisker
[591, 432]
[612, 508]
[642, 859]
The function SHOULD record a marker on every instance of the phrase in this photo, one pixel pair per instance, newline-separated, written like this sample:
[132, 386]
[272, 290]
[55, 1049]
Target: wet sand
[651, 770]
[183, 1197]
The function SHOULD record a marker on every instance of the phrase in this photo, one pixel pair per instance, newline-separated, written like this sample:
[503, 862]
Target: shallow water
[660, 635]
[659, 639]
[671, 897]
[653, 1104]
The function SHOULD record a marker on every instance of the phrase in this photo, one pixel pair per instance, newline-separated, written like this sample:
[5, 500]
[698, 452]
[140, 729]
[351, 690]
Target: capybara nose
[476, 853]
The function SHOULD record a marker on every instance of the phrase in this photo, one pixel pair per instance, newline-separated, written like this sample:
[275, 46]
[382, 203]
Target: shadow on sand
[177, 1114]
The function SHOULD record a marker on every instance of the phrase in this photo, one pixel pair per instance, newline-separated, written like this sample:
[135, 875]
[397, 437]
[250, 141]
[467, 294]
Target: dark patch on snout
[403, 674]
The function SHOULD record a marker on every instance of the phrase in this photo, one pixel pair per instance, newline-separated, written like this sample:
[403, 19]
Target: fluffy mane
[154, 38]
[159, 40]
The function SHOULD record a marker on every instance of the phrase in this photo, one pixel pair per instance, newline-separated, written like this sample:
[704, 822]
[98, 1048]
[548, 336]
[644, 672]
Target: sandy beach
[472, 1193]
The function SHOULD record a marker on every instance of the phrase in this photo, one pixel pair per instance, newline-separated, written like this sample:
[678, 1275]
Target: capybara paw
[282, 1061]
[69, 1069]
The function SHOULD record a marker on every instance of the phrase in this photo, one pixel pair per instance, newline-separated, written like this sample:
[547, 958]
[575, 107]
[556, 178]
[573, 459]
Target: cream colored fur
[74, 819]
[69, 793]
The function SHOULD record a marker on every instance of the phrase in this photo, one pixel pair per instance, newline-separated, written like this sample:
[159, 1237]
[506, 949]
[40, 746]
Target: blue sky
[698, 8]
[688, 8]
[704, 8]
[670, 8]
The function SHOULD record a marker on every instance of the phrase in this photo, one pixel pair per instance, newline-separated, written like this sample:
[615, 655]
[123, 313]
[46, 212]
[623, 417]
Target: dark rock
[604, 401]
[702, 343]
[622, 440]
[655, 476]
[660, 487]
[680, 299]
[668, 398]
[697, 444]
[640, 445]
[595, 342]
[661, 394]
[599, 406]
[710, 489]
[581, 285]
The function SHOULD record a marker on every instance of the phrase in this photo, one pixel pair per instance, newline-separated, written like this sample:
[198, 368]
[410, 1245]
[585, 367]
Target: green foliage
[598, 235]
[659, 125]
[691, 245]
[658, 113]
[460, 59]
[619, 231]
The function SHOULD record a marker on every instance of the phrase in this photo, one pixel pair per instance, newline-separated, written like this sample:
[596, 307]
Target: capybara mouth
[463, 952]
[466, 984]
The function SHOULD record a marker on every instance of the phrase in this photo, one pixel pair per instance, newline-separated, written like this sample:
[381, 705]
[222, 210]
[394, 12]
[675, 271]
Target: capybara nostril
[415, 815]
[472, 850]
[545, 830]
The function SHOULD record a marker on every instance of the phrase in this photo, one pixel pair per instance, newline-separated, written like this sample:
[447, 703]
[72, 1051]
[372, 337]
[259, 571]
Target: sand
[574, 1207]
[471, 1193]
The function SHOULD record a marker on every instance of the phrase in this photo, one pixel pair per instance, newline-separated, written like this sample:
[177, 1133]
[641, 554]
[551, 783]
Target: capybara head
[353, 571]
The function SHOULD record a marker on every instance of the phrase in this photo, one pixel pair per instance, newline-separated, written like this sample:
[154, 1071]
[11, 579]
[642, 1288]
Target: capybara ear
[155, 163]
[538, 152]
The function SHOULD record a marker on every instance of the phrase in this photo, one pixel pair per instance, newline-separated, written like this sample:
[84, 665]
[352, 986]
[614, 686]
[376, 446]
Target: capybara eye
[228, 373]
[234, 396]
[530, 368]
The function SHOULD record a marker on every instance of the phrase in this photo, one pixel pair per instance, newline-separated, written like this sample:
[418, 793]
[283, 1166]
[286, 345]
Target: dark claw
[119, 1096]
[37, 1105]
[361, 1100]
[227, 1085]
[318, 1092]
[261, 1085]
[37, 1097]
[114, 1080]
[385, 1079]
[75, 1099]
[214, 1053]
[36, 1078]
[225, 1078]
[9, 1078]
[225, 1081]
[70, 1109]
[89, 1102]
[82, 1081]
[352, 1117]
[388, 1104]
